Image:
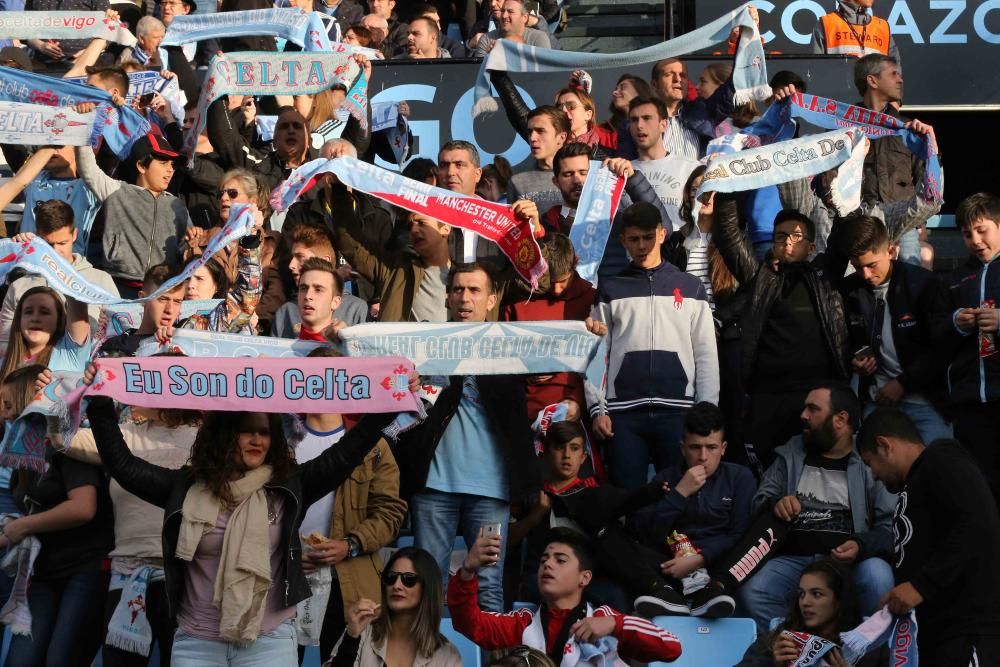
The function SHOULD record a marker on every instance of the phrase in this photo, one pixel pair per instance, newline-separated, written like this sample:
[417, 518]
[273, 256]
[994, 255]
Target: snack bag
[681, 546]
[987, 341]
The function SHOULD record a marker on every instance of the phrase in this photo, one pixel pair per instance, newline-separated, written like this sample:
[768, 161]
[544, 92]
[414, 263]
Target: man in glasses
[290, 144]
[794, 331]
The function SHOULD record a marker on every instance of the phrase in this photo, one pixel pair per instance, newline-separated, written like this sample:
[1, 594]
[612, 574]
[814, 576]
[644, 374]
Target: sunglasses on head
[410, 579]
[232, 193]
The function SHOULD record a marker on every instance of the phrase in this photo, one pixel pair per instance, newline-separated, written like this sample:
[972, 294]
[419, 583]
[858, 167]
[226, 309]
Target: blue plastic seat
[471, 656]
[709, 643]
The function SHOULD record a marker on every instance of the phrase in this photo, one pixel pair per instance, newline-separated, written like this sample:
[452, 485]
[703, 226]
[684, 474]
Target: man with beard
[817, 500]
[570, 167]
[947, 540]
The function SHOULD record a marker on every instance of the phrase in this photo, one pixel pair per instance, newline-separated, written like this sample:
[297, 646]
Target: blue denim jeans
[928, 421]
[909, 247]
[770, 593]
[438, 517]
[66, 622]
[278, 647]
[643, 436]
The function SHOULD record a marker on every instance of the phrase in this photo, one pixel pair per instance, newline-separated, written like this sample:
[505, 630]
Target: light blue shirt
[70, 190]
[467, 458]
[68, 357]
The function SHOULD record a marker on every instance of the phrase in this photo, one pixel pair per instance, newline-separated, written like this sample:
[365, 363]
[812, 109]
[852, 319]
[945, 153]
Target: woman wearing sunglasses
[403, 629]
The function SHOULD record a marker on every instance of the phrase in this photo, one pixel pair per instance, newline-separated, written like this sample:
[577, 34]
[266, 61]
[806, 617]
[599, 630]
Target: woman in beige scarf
[232, 556]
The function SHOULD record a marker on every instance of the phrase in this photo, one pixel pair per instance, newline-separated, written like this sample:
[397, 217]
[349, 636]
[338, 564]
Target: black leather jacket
[824, 275]
[921, 327]
[167, 488]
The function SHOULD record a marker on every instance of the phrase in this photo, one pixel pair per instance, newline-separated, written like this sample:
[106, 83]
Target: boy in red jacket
[565, 627]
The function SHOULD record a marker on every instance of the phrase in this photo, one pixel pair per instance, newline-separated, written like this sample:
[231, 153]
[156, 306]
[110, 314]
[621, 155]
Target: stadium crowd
[799, 424]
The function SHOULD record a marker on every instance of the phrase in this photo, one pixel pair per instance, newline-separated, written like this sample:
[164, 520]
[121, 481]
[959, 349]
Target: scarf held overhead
[781, 162]
[320, 385]
[38, 257]
[452, 348]
[119, 126]
[38, 125]
[602, 192]
[305, 29]
[63, 25]
[493, 221]
[749, 71]
[267, 73]
[832, 114]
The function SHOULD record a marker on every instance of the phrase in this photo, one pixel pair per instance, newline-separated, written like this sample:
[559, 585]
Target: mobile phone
[146, 100]
[866, 351]
[492, 530]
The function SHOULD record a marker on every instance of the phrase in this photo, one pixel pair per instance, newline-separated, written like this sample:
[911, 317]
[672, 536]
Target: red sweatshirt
[638, 639]
[573, 304]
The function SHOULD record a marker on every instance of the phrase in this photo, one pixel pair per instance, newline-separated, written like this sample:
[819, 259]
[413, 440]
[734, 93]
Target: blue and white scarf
[749, 72]
[116, 320]
[119, 127]
[784, 161]
[129, 628]
[195, 343]
[831, 114]
[900, 632]
[38, 125]
[38, 257]
[448, 348]
[63, 25]
[305, 29]
[264, 73]
[595, 213]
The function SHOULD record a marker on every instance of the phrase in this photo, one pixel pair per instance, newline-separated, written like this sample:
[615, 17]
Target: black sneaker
[662, 601]
[712, 602]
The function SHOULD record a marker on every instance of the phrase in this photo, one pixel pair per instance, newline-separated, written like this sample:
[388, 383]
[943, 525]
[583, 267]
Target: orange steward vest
[855, 40]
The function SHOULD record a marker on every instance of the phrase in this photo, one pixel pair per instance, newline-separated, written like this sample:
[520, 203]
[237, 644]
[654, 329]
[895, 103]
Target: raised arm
[732, 242]
[142, 479]
[513, 104]
[226, 139]
[87, 58]
[369, 261]
[77, 321]
[241, 302]
[102, 185]
[24, 177]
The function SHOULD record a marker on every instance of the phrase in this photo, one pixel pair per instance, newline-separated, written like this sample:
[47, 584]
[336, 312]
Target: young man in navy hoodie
[662, 354]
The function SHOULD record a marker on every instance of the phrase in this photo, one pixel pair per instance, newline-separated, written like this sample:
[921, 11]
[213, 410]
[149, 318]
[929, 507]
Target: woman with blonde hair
[403, 629]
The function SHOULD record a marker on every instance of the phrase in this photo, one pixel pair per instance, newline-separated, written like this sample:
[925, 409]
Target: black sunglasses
[232, 192]
[410, 579]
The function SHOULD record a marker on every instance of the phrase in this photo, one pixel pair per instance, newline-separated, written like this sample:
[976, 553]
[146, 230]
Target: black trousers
[633, 565]
[162, 623]
[762, 540]
[959, 651]
[977, 426]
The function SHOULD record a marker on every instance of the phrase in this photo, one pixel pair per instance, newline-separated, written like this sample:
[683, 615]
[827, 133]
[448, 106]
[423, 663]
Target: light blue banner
[39, 258]
[305, 29]
[595, 214]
